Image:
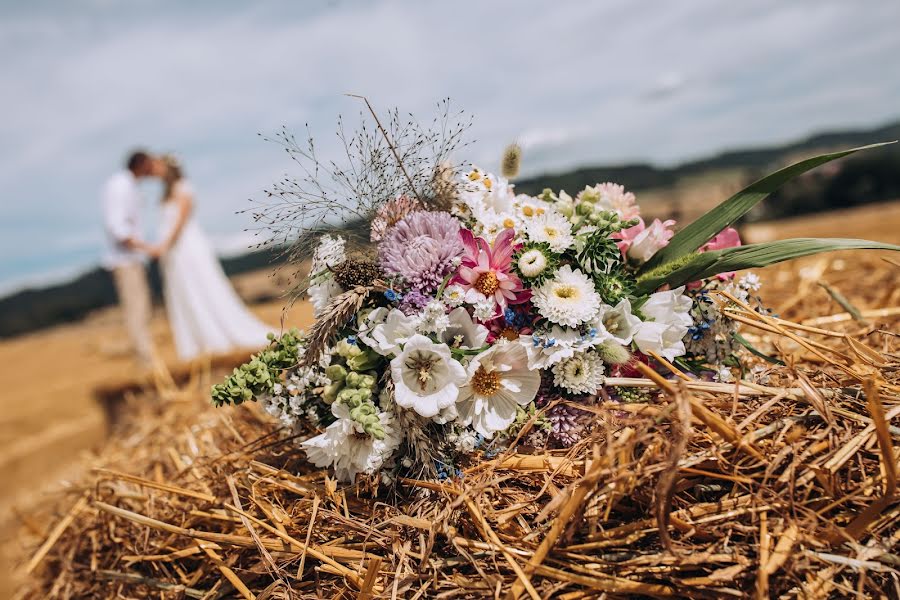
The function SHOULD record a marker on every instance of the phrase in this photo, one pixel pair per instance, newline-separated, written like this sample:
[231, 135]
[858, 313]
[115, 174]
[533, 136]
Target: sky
[576, 83]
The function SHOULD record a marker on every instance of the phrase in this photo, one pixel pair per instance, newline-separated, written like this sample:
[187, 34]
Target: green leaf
[707, 264]
[728, 212]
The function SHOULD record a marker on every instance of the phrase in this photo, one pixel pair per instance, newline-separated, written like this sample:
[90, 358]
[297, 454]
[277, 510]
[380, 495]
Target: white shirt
[121, 218]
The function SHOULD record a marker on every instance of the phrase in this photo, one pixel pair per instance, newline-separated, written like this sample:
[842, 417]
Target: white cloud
[572, 81]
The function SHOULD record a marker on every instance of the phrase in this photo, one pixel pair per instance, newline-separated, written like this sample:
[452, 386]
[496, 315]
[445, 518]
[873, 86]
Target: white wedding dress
[205, 313]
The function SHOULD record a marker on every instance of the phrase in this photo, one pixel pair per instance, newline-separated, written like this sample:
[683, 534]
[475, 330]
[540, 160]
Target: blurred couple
[205, 314]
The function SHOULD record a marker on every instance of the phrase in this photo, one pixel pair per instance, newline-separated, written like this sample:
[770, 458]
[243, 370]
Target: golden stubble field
[51, 421]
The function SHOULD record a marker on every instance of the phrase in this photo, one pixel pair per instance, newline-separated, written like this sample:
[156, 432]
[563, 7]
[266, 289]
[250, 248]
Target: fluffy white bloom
[462, 331]
[348, 449]
[750, 282]
[384, 331]
[532, 263]
[546, 348]
[615, 323]
[552, 228]
[567, 299]
[329, 253]
[579, 374]
[454, 295]
[426, 377]
[485, 310]
[669, 314]
[466, 441]
[611, 196]
[320, 294]
[433, 318]
[498, 380]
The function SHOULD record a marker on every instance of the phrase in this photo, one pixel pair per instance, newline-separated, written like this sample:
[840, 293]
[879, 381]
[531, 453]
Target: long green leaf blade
[761, 255]
[728, 212]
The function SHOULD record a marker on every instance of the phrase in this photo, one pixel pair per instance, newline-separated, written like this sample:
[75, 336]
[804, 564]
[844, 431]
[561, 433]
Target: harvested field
[783, 487]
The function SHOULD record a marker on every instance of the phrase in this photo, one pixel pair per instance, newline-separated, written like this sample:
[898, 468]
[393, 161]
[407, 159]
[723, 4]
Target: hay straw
[779, 488]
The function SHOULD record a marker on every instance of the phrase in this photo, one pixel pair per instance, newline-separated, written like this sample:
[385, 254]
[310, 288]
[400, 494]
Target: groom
[121, 217]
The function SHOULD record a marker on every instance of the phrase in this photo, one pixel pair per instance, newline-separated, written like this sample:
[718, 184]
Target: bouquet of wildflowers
[468, 316]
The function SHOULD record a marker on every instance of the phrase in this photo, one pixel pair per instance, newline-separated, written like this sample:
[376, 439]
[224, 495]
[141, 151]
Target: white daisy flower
[499, 380]
[568, 299]
[348, 449]
[454, 295]
[579, 374]
[750, 282]
[426, 376]
[552, 228]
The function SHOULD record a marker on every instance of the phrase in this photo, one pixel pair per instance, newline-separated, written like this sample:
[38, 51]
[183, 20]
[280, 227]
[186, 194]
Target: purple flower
[422, 248]
[413, 302]
[566, 424]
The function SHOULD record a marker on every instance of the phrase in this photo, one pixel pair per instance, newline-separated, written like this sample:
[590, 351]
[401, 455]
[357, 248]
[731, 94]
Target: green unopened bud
[548, 196]
[567, 209]
[336, 372]
[585, 208]
[354, 379]
[348, 396]
[363, 361]
[345, 349]
[330, 393]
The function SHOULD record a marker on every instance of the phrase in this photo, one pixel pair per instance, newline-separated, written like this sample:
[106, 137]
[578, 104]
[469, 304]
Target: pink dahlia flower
[422, 249]
[640, 242]
[486, 272]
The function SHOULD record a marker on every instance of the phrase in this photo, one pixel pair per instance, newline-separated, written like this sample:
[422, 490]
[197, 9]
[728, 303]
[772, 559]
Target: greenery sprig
[259, 376]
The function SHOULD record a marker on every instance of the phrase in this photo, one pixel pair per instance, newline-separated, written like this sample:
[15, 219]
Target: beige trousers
[134, 298]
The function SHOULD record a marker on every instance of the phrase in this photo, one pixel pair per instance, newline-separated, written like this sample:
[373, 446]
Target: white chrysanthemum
[532, 263]
[546, 348]
[568, 299]
[454, 295]
[426, 376]
[579, 374]
[499, 380]
[552, 228]
[433, 318]
[466, 441]
[348, 449]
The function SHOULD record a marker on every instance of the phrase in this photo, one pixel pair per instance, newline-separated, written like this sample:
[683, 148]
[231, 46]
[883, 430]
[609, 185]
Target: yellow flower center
[487, 183]
[485, 383]
[474, 176]
[551, 232]
[508, 223]
[510, 333]
[487, 283]
[565, 291]
[539, 210]
[528, 211]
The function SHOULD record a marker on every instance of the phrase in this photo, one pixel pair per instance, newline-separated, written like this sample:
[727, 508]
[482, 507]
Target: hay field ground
[51, 419]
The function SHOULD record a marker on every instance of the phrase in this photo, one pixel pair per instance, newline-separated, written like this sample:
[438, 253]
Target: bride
[205, 314]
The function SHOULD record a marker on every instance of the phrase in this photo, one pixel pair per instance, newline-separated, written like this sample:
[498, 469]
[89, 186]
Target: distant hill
[868, 177]
[33, 309]
[639, 177]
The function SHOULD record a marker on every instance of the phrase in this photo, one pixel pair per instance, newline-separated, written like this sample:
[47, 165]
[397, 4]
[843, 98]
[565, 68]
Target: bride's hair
[174, 174]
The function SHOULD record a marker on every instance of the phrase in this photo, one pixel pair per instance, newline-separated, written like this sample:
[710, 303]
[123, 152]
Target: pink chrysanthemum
[422, 249]
[389, 213]
[486, 272]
